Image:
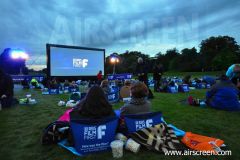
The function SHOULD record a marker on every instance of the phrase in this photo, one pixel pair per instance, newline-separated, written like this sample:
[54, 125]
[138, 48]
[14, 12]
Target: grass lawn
[21, 128]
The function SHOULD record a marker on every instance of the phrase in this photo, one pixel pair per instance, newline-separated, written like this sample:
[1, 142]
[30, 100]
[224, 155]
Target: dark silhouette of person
[141, 71]
[25, 84]
[99, 77]
[157, 76]
[6, 89]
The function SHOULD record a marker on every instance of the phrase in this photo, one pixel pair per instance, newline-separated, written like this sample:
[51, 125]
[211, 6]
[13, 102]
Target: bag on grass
[55, 132]
[202, 143]
[75, 96]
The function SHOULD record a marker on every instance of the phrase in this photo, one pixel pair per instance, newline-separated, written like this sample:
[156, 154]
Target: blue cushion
[93, 135]
[172, 89]
[183, 88]
[136, 122]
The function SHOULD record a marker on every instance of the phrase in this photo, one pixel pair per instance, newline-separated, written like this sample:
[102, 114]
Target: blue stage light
[19, 54]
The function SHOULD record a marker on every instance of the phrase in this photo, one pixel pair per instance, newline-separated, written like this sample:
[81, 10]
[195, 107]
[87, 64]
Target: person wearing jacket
[233, 73]
[6, 89]
[99, 77]
[223, 95]
[34, 82]
[138, 103]
[157, 75]
[141, 71]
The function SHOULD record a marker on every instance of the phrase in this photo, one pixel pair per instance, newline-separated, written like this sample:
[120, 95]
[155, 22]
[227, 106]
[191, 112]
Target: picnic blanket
[160, 138]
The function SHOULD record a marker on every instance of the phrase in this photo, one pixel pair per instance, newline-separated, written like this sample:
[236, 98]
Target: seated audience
[66, 83]
[164, 85]
[209, 80]
[25, 83]
[157, 76]
[45, 82]
[6, 89]
[54, 84]
[118, 83]
[138, 103]
[187, 79]
[125, 90]
[94, 105]
[105, 87]
[233, 73]
[73, 84]
[223, 95]
[34, 82]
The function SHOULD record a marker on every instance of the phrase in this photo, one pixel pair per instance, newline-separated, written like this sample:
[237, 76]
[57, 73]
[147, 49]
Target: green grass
[21, 128]
[193, 74]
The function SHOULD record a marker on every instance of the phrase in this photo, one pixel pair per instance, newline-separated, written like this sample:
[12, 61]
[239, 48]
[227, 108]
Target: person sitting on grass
[66, 83]
[54, 84]
[223, 95]
[164, 85]
[187, 79]
[34, 82]
[74, 84]
[125, 90]
[138, 103]
[233, 73]
[6, 90]
[94, 105]
[105, 87]
[25, 84]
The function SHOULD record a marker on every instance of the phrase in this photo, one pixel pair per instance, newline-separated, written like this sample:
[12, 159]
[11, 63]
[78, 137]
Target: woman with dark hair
[94, 105]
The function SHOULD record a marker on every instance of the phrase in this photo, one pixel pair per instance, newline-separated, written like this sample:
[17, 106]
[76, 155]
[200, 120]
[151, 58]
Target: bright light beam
[19, 54]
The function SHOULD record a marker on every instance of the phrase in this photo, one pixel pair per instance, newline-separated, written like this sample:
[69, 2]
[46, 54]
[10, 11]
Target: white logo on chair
[111, 96]
[143, 124]
[101, 131]
[94, 132]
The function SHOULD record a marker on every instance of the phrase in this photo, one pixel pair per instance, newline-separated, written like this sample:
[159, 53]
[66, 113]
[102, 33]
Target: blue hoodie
[224, 95]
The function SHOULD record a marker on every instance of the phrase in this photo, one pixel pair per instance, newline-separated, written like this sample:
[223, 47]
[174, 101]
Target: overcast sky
[150, 26]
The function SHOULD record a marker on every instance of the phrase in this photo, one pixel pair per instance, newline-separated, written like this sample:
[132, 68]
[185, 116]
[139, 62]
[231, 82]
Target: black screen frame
[48, 50]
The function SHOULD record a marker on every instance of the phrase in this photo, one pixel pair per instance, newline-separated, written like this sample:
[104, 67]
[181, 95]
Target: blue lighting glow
[19, 54]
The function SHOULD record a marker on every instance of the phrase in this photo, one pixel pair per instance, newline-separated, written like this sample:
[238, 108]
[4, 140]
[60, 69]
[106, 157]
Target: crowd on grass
[223, 94]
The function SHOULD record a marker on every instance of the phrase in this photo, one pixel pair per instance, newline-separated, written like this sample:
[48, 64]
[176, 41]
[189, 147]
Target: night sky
[116, 25]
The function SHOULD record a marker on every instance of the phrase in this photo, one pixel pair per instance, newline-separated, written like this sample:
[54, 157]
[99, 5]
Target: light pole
[114, 59]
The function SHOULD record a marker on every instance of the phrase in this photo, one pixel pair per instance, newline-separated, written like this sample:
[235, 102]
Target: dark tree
[188, 60]
[167, 58]
[217, 53]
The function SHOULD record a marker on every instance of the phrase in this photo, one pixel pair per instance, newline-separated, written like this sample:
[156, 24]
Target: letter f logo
[101, 131]
[85, 63]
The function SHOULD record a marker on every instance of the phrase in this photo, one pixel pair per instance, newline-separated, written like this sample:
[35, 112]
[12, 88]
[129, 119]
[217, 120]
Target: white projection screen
[73, 61]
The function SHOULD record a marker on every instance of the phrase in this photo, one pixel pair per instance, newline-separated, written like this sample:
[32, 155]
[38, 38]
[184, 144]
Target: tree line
[215, 54]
